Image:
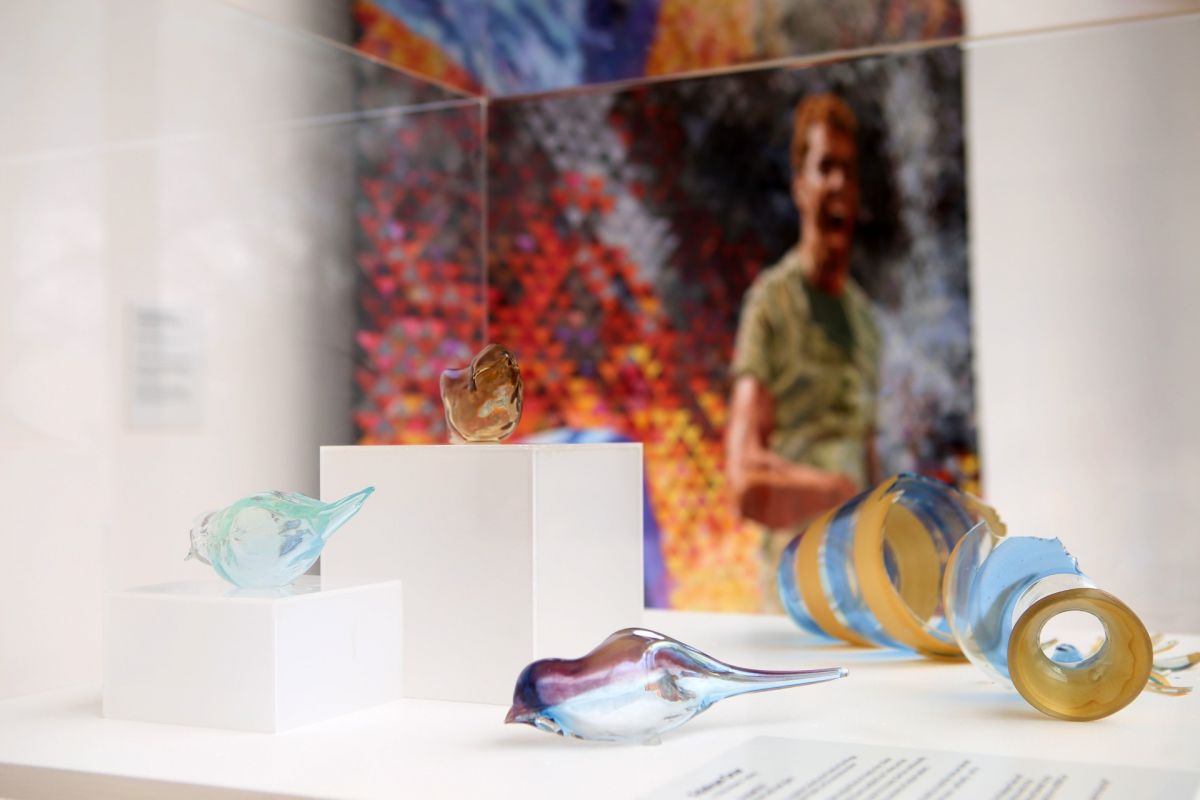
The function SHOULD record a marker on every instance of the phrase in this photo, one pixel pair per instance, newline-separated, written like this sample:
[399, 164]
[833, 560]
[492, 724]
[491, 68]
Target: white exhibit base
[417, 749]
[204, 653]
[507, 552]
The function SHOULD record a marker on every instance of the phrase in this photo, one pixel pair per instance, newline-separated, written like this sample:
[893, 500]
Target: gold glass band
[902, 611]
[808, 578]
[1101, 684]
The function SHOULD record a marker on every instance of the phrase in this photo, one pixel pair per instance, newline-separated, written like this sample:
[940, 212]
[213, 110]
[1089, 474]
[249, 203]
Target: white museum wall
[998, 17]
[326, 18]
[1084, 199]
[53, 385]
[137, 172]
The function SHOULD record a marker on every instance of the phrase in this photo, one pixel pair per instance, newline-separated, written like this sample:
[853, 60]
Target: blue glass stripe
[838, 578]
[789, 591]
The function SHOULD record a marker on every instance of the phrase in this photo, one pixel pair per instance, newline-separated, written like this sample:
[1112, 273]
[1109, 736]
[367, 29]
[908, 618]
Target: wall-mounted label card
[770, 768]
[165, 368]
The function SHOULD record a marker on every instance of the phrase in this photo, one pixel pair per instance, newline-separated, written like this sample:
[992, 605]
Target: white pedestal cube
[508, 553]
[204, 653]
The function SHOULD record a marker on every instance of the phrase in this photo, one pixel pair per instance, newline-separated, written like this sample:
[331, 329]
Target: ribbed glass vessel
[917, 564]
[1001, 592]
[870, 571]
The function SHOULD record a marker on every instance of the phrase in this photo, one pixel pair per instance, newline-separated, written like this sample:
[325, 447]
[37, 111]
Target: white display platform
[424, 749]
[507, 552]
[204, 653]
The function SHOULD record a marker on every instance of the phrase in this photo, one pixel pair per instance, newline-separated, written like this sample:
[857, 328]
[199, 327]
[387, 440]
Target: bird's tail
[743, 681]
[338, 513]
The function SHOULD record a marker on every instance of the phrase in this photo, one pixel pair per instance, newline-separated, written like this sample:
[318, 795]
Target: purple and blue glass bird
[635, 686]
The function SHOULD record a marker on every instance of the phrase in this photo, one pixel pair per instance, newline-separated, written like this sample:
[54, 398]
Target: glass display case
[229, 235]
[182, 187]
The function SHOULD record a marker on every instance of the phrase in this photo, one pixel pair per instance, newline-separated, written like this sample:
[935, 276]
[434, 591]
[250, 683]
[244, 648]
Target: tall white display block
[203, 653]
[507, 553]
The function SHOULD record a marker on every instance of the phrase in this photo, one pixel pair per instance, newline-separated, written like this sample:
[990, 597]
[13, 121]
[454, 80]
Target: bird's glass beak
[518, 714]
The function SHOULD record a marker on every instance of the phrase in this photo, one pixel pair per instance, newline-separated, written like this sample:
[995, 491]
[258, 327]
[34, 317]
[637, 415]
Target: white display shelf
[421, 748]
[206, 653]
[508, 553]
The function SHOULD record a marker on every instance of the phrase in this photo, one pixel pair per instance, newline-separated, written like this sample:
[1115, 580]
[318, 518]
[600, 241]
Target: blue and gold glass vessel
[917, 564]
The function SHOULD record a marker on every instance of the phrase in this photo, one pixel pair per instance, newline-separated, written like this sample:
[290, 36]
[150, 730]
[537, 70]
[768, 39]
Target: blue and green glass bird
[267, 540]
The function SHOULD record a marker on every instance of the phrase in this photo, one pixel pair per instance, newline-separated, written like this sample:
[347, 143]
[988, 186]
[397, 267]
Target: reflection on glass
[522, 46]
[179, 70]
[635, 686]
[270, 539]
[305, 584]
[1165, 678]
[625, 229]
[419, 250]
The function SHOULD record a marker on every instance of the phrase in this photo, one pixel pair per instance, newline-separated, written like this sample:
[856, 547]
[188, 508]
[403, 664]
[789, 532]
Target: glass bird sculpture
[267, 540]
[483, 400]
[635, 686]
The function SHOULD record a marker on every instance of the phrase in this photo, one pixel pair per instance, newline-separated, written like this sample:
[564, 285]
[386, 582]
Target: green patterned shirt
[818, 355]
